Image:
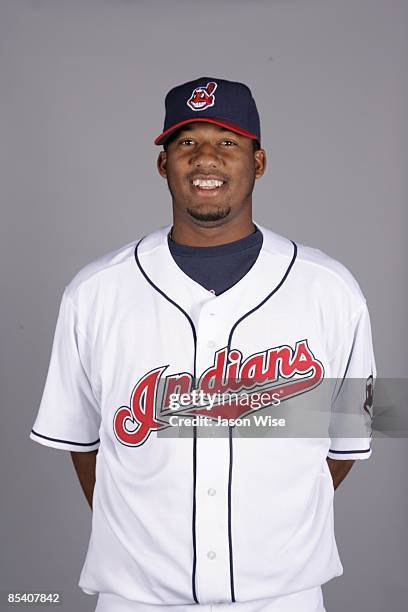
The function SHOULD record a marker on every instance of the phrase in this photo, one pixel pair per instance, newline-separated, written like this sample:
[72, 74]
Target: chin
[209, 216]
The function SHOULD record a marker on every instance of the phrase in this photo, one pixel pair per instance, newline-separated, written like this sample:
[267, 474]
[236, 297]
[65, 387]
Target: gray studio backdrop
[82, 88]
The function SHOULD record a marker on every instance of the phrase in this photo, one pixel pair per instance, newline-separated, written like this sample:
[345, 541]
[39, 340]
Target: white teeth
[209, 184]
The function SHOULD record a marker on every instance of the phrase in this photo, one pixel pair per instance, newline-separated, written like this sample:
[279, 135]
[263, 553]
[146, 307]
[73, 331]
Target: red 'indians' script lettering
[229, 373]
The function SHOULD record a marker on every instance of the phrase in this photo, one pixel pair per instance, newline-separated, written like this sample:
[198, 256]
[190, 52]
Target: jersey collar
[268, 274]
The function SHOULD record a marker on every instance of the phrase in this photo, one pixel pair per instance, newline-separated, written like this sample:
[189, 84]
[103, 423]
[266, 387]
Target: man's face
[210, 172]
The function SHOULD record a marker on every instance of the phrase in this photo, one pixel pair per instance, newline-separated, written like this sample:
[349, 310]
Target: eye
[186, 141]
[228, 142]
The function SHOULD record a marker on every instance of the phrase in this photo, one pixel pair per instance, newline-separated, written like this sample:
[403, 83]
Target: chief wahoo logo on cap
[202, 97]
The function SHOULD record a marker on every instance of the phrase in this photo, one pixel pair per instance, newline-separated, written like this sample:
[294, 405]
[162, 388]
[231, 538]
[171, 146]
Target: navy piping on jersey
[233, 328]
[171, 302]
[195, 428]
[348, 452]
[232, 587]
[194, 513]
[231, 558]
[65, 441]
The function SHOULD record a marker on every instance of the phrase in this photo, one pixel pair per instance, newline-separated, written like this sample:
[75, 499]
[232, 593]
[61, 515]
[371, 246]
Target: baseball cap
[225, 103]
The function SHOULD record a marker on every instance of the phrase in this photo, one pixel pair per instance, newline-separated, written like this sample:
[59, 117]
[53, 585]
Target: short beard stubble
[216, 215]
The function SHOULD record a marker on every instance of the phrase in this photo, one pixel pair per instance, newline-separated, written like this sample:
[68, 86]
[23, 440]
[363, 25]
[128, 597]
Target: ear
[161, 164]
[260, 162]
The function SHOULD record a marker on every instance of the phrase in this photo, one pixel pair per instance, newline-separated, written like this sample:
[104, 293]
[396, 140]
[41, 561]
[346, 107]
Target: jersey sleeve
[354, 372]
[69, 415]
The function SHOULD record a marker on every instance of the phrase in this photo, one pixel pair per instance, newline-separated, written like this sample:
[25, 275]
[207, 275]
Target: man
[190, 511]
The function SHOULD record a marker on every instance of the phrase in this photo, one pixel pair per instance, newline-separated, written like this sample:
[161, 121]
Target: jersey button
[211, 492]
[211, 555]
[211, 344]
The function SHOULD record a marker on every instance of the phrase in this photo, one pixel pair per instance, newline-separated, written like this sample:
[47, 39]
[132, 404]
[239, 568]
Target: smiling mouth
[208, 186]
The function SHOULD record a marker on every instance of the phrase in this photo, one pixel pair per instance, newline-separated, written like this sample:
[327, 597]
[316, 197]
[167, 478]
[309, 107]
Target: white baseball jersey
[208, 518]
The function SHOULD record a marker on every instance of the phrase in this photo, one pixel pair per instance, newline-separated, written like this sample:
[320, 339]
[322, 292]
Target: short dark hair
[255, 144]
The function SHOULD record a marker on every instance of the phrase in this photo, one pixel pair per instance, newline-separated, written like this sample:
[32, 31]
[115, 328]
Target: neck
[202, 235]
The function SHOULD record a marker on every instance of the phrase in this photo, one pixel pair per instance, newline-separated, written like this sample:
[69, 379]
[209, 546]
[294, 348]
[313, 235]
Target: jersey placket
[213, 571]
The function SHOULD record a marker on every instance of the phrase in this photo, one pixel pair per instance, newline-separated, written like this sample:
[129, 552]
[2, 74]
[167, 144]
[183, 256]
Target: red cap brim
[229, 126]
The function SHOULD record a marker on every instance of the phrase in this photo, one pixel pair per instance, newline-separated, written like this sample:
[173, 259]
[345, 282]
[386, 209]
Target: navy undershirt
[218, 268]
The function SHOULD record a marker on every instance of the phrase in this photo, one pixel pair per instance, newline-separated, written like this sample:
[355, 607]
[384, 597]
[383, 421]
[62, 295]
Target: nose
[205, 156]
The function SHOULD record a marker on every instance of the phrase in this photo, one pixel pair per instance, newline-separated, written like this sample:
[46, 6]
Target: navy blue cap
[217, 101]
